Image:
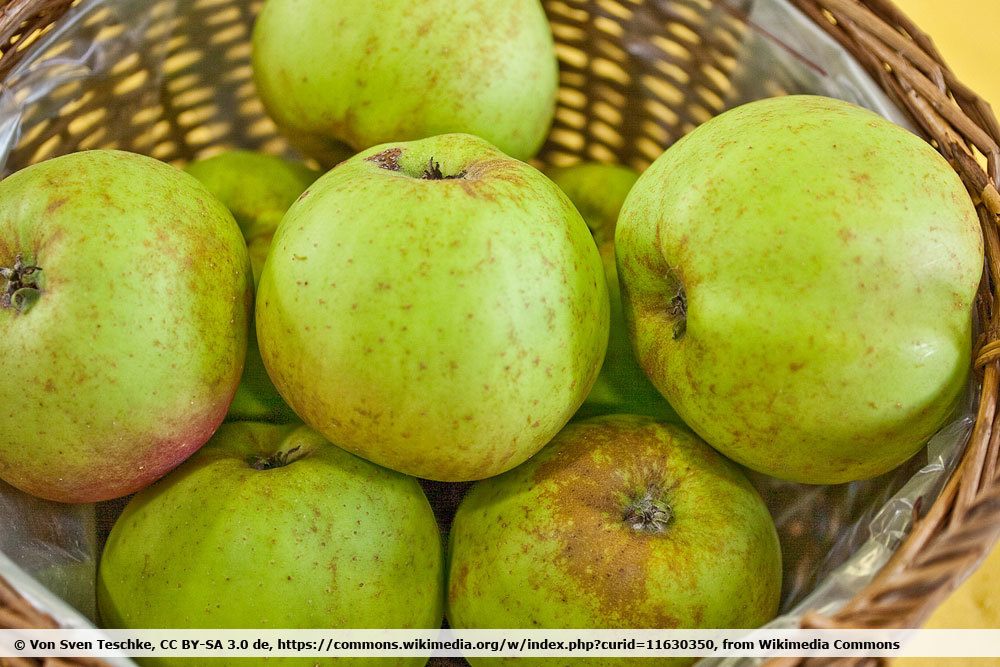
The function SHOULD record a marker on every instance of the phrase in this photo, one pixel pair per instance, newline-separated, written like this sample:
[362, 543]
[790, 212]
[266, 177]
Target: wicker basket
[611, 108]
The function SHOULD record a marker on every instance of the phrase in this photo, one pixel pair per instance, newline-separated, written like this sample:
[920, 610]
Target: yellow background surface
[966, 34]
[976, 604]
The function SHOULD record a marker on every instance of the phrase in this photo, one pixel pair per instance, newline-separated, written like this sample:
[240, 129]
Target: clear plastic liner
[835, 538]
[786, 51]
[52, 542]
[72, 60]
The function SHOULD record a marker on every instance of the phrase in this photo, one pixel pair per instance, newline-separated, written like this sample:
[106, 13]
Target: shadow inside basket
[172, 79]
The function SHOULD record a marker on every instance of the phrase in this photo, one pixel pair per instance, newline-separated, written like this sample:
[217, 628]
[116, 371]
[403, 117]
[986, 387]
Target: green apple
[257, 189]
[270, 526]
[124, 297]
[621, 522]
[367, 72]
[434, 306]
[598, 191]
[799, 276]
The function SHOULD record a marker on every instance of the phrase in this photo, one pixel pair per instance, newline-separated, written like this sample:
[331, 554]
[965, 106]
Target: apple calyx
[21, 290]
[679, 309]
[389, 160]
[276, 460]
[433, 172]
[648, 513]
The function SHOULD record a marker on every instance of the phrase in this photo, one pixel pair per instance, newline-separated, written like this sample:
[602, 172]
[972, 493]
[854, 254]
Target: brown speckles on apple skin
[859, 254]
[320, 527]
[401, 300]
[55, 204]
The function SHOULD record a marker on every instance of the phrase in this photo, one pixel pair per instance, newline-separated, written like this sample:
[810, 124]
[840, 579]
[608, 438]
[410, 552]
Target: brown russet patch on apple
[588, 484]
[387, 159]
[458, 581]
[55, 204]
[111, 202]
[474, 183]
[652, 261]
[501, 169]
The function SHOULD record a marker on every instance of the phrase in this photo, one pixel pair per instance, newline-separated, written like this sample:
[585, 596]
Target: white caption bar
[512, 643]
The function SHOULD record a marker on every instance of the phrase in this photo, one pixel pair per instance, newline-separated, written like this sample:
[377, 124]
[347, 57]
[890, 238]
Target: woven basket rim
[963, 523]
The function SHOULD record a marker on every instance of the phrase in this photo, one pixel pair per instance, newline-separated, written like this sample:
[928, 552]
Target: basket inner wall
[634, 77]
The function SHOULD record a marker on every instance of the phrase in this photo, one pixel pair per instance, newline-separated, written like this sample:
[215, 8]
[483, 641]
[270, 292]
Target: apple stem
[648, 513]
[276, 460]
[21, 291]
[679, 309]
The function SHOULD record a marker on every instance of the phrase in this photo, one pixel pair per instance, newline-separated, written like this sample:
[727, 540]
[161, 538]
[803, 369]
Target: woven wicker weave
[17, 613]
[612, 107]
